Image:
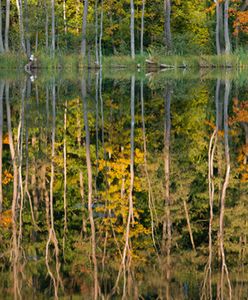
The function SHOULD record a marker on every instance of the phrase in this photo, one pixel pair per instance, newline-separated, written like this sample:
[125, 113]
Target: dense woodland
[124, 183]
[123, 27]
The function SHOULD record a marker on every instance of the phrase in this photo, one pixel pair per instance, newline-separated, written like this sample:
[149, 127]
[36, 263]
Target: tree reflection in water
[124, 189]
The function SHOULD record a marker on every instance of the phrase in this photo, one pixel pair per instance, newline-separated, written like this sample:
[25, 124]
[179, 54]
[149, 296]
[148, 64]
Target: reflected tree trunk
[90, 198]
[166, 235]
[81, 177]
[207, 284]
[151, 204]
[65, 176]
[1, 144]
[52, 238]
[223, 194]
[15, 250]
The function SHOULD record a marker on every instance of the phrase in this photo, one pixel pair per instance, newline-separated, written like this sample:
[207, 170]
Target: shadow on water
[121, 185]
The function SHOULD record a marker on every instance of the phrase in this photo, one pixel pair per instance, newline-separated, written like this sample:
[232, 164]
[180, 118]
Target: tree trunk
[1, 143]
[84, 27]
[90, 198]
[132, 30]
[27, 28]
[1, 29]
[223, 192]
[53, 27]
[46, 26]
[167, 24]
[96, 33]
[64, 17]
[6, 38]
[217, 29]
[101, 33]
[142, 28]
[21, 28]
[226, 29]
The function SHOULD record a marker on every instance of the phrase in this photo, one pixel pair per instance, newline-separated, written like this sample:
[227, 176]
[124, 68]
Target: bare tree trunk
[21, 27]
[6, 37]
[223, 194]
[167, 235]
[142, 28]
[217, 29]
[36, 41]
[167, 201]
[11, 146]
[96, 32]
[65, 176]
[1, 29]
[27, 33]
[132, 29]
[64, 16]
[167, 24]
[226, 28]
[1, 143]
[90, 198]
[46, 26]
[101, 34]
[150, 192]
[84, 27]
[52, 238]
[53, 27]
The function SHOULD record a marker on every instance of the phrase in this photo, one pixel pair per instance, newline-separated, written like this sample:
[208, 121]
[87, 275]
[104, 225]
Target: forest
[123, 149]
[95, 29]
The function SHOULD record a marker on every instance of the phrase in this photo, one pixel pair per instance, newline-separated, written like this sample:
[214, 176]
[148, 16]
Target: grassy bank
[74, 61]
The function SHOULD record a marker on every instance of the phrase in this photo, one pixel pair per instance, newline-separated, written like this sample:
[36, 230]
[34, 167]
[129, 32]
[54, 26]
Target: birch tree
[226, 28]
[53, 27]
[1, 29]
[167, 24]
[21, 27]
[142, 28]
[84, 28]
[6, 35]
[1, 143]
[132, 30]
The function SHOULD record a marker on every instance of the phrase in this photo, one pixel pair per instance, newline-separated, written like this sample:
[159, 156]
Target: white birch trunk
[132, 29]
[6, 37]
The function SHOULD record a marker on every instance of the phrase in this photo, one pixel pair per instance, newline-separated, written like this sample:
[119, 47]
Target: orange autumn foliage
[242, 161]
[241, 22]
[6, 218]
[6, 139]
[7, 177]
[240, 111]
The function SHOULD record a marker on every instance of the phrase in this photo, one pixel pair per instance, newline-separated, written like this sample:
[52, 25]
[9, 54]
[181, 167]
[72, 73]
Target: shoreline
[148, 63]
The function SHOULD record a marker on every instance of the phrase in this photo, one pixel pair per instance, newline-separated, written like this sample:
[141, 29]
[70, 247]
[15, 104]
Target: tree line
[123, 27]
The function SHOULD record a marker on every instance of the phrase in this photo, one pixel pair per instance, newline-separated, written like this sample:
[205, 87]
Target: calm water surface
[124, 186]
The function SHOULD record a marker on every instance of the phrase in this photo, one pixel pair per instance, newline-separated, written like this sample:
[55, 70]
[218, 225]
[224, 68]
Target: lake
[121, 185]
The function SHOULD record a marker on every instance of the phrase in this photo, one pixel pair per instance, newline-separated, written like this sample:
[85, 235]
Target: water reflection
[125, 188]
